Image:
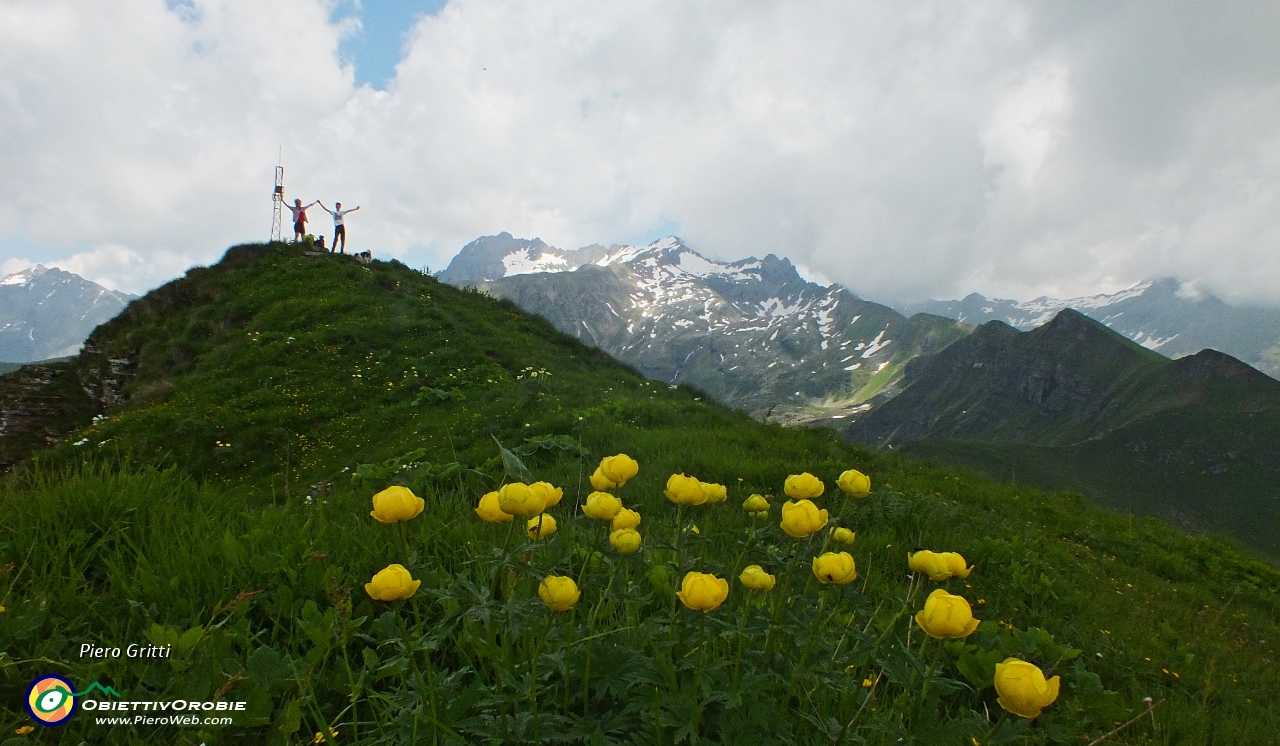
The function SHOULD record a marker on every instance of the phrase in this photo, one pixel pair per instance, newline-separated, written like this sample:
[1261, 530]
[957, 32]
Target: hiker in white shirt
[339, 228]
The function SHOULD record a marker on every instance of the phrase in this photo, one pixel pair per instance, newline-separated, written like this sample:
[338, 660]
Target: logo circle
[50, 700]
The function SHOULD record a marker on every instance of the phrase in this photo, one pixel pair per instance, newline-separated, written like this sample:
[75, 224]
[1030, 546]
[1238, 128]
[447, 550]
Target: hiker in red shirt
[300, 218]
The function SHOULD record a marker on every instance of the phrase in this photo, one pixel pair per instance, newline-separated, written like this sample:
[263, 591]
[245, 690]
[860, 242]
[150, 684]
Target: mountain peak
[24, 276]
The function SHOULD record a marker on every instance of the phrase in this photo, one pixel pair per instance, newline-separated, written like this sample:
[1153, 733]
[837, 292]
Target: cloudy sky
[904, 149]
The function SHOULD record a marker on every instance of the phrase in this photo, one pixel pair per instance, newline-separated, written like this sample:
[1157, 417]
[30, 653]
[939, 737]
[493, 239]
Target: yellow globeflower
[626, 518]
[683, 490]
[1022, 688]
[625, 540]
[837, 568]
[600, 482]
[854, 483]
[602, 506]
[396, 504]
[541, 526]
[618, 469]
[956, 565]
[489, 509]
[756, 504]
[702, 591]
[550, 493]
[558, 592]
[939, 566]
[520, 499]
[801, 518]
[803, 486]
[843, 536]
[755, 578]
[392, 583]
[715, 493]
[946, 616]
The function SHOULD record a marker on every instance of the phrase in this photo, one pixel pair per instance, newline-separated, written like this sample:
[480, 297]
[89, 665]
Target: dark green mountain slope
[263, 383]
[1073, 405]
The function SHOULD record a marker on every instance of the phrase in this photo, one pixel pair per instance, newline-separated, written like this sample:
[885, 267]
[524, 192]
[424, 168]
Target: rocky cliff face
[40, 404]
[752, 333]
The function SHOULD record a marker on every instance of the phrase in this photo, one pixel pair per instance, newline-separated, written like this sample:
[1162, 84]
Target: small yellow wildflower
[489, 510]
[801, 518]
[625, 540]
[558, 592]
[755, 578]
[392, 583]
[803, 486]
[626, 518]
[602, 506]
[702, 591]
[396, 504]
[1022, 688]
[541, 526]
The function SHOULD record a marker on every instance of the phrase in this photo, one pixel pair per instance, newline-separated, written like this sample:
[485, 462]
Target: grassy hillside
[223, 509]
[1074, 406]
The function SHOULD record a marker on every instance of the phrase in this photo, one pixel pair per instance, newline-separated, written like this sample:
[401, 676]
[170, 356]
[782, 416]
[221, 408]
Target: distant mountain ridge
[1074, 405]
[47, 312]
[1159, 315]
[753, 333]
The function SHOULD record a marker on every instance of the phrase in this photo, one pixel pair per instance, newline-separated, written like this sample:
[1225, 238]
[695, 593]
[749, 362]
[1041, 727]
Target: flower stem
[779, 604]
[591, 629]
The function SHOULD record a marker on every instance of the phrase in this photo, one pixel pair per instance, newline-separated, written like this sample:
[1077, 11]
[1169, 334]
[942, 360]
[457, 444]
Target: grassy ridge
[310, 368]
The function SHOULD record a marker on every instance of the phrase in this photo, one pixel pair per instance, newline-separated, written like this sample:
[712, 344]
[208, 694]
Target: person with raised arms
[339, 227]
[300, 218]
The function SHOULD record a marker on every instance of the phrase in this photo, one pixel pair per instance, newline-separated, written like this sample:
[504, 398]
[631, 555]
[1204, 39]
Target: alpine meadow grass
[242, 518]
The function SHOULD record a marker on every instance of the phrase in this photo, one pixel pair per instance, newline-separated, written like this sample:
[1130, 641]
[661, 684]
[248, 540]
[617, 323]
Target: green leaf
[291, 719]
[512, 464]
[371, 661]
[266, 666]
[979, 667]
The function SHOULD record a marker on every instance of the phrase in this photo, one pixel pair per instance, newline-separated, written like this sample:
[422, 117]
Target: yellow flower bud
[625, 540]
[1022, 689]
[714, 493]
[602, 506]
[801, 518]
[833, 567]
[755, 578]
[756, 504]
[854, 483]
[946, 616]
[803, 486]
[843, 536]
[683, 490]
[490, 511]
[550, 494]
[392, 583]
[626, 518]
[558, 592]
[702, 591]
[939, 566]
[619, 469]
[541, 526]
[396, 504]
[600, 482]
[519, 499]
[956, 565]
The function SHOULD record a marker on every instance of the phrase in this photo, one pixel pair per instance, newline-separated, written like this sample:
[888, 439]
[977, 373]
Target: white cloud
[904, 150]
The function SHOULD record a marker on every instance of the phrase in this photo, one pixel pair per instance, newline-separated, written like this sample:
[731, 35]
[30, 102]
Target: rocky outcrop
[40, 404]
